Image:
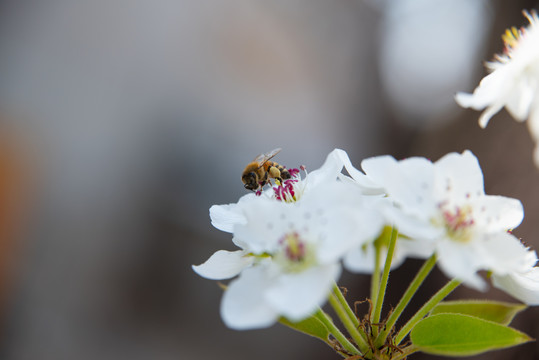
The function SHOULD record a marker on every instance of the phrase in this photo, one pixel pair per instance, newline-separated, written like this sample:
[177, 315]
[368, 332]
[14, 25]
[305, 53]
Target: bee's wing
[262, 158]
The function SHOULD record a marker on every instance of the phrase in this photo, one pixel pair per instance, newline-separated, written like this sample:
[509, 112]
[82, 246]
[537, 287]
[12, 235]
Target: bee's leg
[264, 180]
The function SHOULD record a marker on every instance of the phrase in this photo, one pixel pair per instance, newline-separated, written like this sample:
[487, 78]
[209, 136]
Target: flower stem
[338, 293]
[429, 305]
[348, 322]
[383, 283]
[406, 352]
[375, 281]
[337, 334]
[410, 292]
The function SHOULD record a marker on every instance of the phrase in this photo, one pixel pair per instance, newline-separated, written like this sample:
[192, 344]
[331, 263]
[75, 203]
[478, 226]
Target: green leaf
[463, 335]
[310, 326]
[499, 312]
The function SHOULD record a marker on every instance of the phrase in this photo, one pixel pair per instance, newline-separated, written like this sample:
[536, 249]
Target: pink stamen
[293, 172]
[294, 248]
[458, 220]
[285, 191]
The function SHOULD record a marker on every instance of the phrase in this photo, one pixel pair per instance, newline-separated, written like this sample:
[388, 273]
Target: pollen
[511, 37]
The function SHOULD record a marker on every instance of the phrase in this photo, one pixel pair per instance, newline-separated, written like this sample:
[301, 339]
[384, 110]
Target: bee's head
[250, 181]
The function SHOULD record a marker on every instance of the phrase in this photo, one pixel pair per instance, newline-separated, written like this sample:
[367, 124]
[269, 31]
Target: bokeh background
[122, 122]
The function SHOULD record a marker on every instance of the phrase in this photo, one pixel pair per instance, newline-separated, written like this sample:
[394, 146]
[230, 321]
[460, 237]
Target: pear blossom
[291, 252]
[443, 206]
[292, 238]
[224, 217]
[513, 81]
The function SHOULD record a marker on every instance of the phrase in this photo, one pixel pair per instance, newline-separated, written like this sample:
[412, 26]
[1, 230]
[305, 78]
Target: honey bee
[259, 172]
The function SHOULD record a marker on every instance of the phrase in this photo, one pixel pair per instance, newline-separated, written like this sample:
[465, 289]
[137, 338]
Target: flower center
[294, 248]
[295, 254]
[458, 223]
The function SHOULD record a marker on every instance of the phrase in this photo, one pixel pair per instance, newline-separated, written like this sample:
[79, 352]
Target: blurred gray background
[122, 122]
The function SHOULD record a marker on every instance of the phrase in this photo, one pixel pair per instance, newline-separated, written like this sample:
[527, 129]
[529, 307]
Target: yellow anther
[511, 37]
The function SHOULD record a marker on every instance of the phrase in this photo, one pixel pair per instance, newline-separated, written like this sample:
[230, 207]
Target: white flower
[443, 206]
[224, 217]
[513, 81]
[290, 248]
[291, 254]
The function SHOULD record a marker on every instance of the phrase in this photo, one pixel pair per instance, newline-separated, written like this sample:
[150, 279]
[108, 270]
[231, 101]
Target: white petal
[224, 265]
[522, 286]
[243, 305]
[368, 220]
[408, 182]
[519, 101]
[332, 194]
[412, 226]
[490, 89]
[459, 177]
[329, 171]
[461, 261]
[224, 217]
[360, 178]
[416, 249]
[341, 235]
[378, 169]
[296, 296]
[496, 213]
[503, 253]
[490, 94]
[467, 100]
[413, 187]
[484, 118]
[342, 219]
[266, 223]
[361, 260]
[338, 216]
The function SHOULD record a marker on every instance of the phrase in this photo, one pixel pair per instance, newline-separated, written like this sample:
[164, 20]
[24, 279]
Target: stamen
[511, 37]
[458, 222]
[293, 172]
[286, 191]
[294, 248]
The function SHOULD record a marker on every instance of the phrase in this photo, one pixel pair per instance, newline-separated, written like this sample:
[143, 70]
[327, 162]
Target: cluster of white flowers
[293, 238]
[513, 81]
